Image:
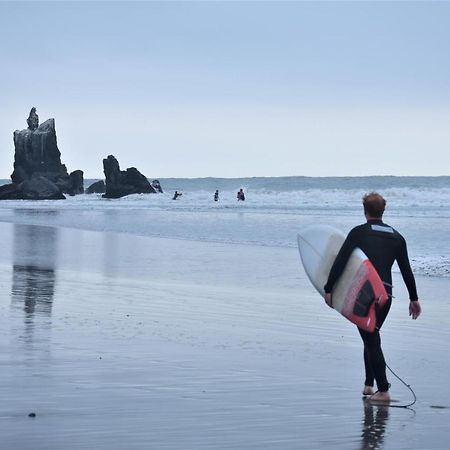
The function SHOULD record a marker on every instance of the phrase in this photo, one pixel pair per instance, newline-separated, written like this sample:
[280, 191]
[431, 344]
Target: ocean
[274, 210]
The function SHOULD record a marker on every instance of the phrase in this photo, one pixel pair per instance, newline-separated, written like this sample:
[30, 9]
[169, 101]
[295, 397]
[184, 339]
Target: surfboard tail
[367, 292]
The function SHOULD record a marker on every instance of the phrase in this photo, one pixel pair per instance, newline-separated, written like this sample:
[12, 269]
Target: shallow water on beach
[426, 229]
[129, 342]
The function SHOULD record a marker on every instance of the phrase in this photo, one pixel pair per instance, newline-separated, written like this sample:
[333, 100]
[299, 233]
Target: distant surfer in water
[241, 195]
[176, 195]
[382, 245]
[216, 196]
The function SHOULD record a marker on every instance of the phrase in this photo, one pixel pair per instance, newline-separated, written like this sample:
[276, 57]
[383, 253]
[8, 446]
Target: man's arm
[408, 277]
[406, 271]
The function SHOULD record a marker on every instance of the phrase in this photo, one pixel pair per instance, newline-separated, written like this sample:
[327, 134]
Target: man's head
[374, 205]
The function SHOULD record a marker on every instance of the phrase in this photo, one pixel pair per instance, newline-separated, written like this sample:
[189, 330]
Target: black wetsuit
[383, 245]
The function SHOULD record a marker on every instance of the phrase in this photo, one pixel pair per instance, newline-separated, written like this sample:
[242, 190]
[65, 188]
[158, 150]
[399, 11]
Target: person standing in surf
[383, 245]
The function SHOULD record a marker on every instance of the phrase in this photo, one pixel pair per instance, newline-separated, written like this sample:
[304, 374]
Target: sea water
[274, 211]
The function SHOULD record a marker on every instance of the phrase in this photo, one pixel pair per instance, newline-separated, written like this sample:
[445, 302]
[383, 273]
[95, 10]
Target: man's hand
[414, 309]
[329, 300]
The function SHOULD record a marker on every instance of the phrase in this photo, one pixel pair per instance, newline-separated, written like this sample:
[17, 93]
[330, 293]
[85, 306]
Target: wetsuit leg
[375, 365]
[367, 365]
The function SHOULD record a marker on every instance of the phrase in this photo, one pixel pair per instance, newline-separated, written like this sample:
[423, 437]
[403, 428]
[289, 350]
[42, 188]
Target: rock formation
[37, 156]
[157, 186]
[33, 119]
[124, 182]
[76, 183]
[96, 188]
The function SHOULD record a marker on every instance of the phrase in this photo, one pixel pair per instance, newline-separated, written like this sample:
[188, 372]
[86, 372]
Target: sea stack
[38, 172]
[96, 188]
[120, 183]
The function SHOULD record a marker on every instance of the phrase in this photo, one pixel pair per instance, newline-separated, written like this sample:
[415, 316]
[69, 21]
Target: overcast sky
[229, 89]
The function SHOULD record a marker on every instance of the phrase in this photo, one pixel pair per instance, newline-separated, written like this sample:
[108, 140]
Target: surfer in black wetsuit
[383, 245]
[176, 195]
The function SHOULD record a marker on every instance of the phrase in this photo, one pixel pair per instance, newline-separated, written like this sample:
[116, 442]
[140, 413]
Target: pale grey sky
[231, 89]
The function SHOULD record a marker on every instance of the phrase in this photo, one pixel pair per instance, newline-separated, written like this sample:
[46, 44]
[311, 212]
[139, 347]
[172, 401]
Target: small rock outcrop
[76, 183]
[157, 186]
[38, 158]
[33, 119]
[35, 188]
[40, 187]
[96, 188]
[120, 183]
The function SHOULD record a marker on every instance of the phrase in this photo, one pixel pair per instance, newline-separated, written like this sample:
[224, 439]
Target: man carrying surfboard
[383, 245]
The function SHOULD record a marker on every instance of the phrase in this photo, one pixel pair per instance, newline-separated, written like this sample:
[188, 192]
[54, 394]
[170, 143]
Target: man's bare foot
[383, 397]
[368, 390]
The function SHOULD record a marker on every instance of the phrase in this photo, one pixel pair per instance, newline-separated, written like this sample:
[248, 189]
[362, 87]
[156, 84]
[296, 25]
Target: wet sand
[124, 342]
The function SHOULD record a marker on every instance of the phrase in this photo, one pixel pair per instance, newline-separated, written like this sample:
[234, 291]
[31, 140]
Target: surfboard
[358, 291]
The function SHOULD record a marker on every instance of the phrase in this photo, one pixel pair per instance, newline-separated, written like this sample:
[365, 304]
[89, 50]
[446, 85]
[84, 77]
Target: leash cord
[408, 386]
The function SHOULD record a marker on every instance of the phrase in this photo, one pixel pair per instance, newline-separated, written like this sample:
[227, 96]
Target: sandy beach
[127, 342]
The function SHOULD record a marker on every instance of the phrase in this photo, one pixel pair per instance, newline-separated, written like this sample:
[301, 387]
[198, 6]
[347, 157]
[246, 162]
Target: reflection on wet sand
[374, 426]
[33, 283]
[33, 286]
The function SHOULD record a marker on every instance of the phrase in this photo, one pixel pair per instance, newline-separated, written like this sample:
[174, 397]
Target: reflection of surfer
[374, 426]
[382, 245]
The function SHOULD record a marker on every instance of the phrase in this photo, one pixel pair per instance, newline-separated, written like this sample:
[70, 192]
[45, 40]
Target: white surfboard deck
[318, 246]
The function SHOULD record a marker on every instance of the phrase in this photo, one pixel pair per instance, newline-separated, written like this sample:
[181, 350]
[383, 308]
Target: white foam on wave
[437, 266]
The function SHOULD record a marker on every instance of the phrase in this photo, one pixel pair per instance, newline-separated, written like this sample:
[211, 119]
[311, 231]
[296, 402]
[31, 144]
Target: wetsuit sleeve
[342, 257]
[406, 271]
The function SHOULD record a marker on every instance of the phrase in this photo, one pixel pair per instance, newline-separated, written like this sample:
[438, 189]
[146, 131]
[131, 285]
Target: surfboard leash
[407, 385]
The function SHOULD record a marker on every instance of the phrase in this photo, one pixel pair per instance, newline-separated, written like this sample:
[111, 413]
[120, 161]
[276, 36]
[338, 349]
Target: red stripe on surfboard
[366, 273]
